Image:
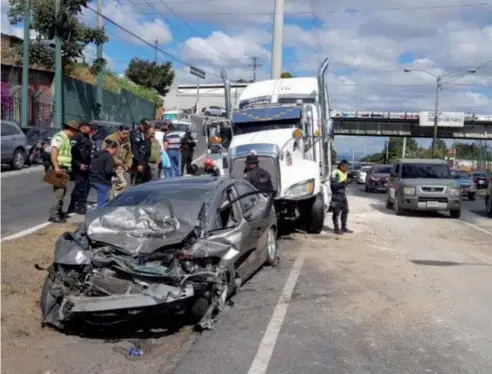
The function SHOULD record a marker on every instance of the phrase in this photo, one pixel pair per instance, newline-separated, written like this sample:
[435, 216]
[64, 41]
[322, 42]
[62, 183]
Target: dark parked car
[178, 245]
[14, 145]
[377, 178]
[481, 179]
[488, 201]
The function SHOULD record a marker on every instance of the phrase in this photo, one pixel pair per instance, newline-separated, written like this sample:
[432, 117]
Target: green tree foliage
[286, 74]
[241, 80]
[150, 74]
[74, 34]
[395, 151]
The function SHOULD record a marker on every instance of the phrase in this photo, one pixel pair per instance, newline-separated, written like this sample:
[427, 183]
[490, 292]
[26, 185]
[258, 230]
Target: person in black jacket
[102, 172]
[258, 177]
[187, 149]
[81, 158]
[141, 149]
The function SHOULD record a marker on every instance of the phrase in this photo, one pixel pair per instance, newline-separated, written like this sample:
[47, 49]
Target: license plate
[432, 204]
[480, 182]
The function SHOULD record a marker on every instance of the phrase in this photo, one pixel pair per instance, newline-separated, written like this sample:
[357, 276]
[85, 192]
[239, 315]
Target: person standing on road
[155, 155]
[122, 158]
[173, 150]
[166, 163]
[61, 161]
[81, 159]
[103, 171]
[258, 177]
[141, 152]
[188, 145]
[339, 202]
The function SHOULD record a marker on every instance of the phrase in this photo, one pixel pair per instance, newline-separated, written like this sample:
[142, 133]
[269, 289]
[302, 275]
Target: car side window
[8, 129]
[249, 202]
[397, 170]
[226, 216]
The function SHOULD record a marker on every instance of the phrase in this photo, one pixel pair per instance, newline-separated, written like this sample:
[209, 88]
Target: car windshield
[365, 169]
[460, 174]
[428, 171]
[382, 170]
[479, 174]
[169, 116]
[249, 127]
[181, 127]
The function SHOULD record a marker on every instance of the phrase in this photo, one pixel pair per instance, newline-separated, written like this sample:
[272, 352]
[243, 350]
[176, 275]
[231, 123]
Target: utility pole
[156, 43]
[58, 71]
[25, 65]
[255, 65]
[99, 90]
[404, 148]
[278, 31]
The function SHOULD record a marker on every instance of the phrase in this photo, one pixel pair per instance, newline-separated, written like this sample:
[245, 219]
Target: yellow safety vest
[340, 175]
[64, 150]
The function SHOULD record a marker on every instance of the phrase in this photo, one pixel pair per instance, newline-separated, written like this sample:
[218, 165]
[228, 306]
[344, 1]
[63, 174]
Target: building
[185, 96]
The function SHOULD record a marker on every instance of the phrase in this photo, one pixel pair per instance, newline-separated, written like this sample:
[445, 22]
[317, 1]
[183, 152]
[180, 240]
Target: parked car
[361, 176]
[423, 185]
[377, 178]
[214, 111]
[481, 179]
[14, 145]
[488, 201]
[467, 185]
[167, 246]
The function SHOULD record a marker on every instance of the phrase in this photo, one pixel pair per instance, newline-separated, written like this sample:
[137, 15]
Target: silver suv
[423, 185]
[14, 145]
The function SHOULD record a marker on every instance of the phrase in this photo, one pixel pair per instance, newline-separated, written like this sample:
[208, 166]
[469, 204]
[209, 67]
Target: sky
[368, 44]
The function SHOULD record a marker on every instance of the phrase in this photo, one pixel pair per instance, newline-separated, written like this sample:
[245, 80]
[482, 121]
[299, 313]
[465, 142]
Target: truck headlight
[409, 190]
[455, 191]
[302, 189]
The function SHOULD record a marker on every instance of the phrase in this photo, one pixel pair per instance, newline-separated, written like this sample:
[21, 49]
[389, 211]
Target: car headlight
[473, 187]
[302, 189]
[374, 178]
[409, 190]
[455, 191]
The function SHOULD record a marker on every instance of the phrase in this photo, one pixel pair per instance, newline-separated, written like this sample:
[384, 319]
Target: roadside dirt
[27, 348]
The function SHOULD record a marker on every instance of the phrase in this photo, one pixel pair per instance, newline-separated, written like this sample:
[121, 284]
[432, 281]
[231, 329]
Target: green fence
[80, 104]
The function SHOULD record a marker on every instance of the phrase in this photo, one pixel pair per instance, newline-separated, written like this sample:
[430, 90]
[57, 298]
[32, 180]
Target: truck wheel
[471, 196]
[314, 216]
[488, 206]
[455, 213]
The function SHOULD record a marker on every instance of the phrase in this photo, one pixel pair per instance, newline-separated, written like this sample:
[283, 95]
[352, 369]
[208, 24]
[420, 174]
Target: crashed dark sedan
[182, 245]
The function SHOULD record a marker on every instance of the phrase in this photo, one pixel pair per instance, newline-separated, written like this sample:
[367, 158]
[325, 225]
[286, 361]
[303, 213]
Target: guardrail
[401, 115]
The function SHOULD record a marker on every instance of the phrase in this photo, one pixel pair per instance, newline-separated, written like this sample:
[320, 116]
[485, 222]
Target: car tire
[472, 196]
[271, 247]
[388, 204]
[488, 206]
[207, 113]
[315, 215]
[198, 308]
[398, 209]
[455, 213]
[48, 303]
[18, 160]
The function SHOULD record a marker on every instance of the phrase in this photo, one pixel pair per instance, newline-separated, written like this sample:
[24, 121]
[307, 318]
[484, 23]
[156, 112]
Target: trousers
[103, 191]
[78, 199]
[186, 160]
[340, 208]
[155, 170]
[144, 176]
[174, 157]
[56, 207]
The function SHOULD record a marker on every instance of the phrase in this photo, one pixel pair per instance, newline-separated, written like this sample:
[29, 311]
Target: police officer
[258, 177]
[61, 162]
[339, 202]
[188, 145]
[123, 157]
[82, 147]
[141, 152]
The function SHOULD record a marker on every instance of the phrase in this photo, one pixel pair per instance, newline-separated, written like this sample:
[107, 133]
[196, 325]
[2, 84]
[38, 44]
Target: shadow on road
[410, 213]
[480, 213]
[446, 263]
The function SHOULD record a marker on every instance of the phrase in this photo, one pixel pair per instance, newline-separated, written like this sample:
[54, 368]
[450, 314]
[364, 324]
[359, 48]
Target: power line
[255, 65]
[152, 45]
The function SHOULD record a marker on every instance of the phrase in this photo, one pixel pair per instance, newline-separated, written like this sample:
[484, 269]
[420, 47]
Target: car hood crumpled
[142, 229]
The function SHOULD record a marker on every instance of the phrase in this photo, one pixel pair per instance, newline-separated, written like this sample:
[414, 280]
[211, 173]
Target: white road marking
[265, 350]
[33, 229]
[476, 227]
[31, 169]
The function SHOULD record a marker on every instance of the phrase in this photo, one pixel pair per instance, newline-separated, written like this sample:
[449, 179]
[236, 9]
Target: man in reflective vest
[61, 161]
[339, 201]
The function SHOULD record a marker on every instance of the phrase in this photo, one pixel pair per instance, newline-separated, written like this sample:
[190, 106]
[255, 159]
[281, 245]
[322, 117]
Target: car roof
[205, 182]
[421, 161]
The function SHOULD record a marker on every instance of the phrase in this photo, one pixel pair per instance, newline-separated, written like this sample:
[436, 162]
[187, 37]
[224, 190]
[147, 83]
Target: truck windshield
[249, 127]
[429, 171]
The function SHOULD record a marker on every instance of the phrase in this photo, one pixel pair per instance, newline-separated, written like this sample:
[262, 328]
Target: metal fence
[39, 108]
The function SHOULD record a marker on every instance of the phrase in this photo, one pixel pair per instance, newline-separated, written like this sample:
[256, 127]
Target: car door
[8, 141]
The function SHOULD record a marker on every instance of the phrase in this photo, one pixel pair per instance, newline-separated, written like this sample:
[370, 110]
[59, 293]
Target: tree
[74, 34]
[286, 75]
[440, 148]
[395, 147]
[6, 100]
[150, 74]
[241, 80]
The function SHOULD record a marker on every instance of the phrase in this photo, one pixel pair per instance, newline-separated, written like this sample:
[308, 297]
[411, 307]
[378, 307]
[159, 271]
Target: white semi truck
[285, 123]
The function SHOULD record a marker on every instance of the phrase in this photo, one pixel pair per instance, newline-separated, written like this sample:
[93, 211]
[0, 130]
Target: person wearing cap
[81, 159]
[209, 168]
[141, 149]
[123, 157]
[155, 155]
[61, 162]
[258, 177]
[187, 149]
[339, 203]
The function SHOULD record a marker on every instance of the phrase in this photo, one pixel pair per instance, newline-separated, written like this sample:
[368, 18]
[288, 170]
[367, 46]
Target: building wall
[184, 97]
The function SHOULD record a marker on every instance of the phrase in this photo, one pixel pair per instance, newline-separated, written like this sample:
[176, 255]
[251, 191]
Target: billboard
[445, 119]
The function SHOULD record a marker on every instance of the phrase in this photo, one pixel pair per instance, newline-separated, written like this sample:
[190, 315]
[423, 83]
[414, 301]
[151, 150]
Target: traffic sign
[444, 119]
[197, 72]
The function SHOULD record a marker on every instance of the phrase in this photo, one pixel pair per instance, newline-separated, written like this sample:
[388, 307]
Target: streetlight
[439, 83]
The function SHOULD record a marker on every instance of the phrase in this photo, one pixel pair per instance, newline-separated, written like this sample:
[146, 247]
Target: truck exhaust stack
[227, 94]
[325, 131]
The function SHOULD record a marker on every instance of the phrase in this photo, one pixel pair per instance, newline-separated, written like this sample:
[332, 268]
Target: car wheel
[19, 160]
[398, 209]
[198, 308]
[488, 206]
[271, 247]
[207, 113]
[471, 196]
[388, 204]
[49, 304]
[455, 213]
[315, 215]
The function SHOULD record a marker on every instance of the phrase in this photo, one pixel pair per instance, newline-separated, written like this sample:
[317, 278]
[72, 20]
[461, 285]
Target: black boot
[57, 219]
[345, 230]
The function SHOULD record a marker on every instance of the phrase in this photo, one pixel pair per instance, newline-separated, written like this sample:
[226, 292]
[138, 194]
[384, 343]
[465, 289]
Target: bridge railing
[401, 115]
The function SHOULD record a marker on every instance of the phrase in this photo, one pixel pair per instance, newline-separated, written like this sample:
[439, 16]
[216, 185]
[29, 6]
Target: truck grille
[270, 164]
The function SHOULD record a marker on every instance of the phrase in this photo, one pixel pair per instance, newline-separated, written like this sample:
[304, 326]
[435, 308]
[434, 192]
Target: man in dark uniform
[141, 152]
[258, 177]
[187, 149]
[82, 147]
[339, 203]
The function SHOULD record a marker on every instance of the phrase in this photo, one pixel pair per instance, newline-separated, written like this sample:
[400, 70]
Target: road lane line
[476, 227]
[265, 350]
[33, 229]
